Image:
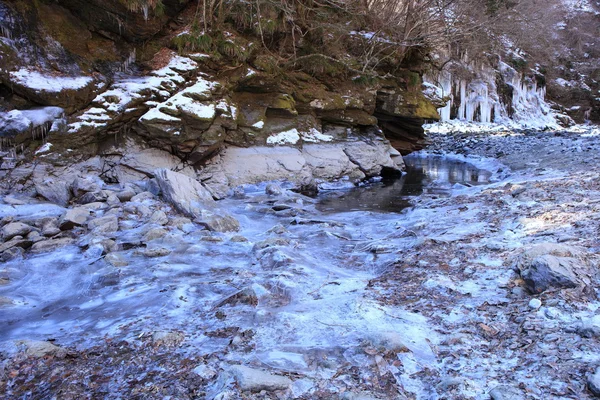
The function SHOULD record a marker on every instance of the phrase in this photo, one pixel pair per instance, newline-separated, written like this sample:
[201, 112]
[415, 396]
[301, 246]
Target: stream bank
[423, 302]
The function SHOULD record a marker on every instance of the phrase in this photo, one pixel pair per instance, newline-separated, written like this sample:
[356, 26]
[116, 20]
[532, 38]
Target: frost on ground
[424, 303]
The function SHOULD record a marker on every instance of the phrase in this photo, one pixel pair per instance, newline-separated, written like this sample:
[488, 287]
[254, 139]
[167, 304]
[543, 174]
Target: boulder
[159, 217]
[593, 382]
[116, 260]
[551, 265]
[504, 392]
[15, 229]
[84, 185]
[51, 244]
[74, 217]
[108, 224]
[153, 234]
[217, 221]
[255, 380]
[38, 349]
[54, 190]
[190, 198]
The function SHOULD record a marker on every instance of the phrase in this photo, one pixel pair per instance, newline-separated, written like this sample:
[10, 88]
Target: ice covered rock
[255, 380]
[15, 229]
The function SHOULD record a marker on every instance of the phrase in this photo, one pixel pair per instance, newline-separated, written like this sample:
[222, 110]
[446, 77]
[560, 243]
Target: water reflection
[430, 175]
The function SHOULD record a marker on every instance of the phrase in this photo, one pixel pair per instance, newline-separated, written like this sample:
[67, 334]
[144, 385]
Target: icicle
[146, 11]
[130, 60]
[5, 32]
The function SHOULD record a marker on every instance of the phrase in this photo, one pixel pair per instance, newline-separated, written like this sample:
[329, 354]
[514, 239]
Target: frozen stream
[294, 279]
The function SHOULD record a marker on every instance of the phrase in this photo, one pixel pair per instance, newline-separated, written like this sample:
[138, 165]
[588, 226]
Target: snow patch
[288, 137]
[49, 83]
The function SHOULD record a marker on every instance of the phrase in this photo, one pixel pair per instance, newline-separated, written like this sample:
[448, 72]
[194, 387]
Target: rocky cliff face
[71, 92]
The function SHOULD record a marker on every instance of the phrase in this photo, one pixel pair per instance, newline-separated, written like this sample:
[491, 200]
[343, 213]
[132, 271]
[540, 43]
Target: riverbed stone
[116, 260]
[551, 265]
[159, 217]
[153, 234]
[51, 244]
[38, 349]
[255, 380]
[168, 339]
[505, 392]
[74, 217]
[142, 196]
[217, 221]
[106, 224]
[593, 382]
[15, 229]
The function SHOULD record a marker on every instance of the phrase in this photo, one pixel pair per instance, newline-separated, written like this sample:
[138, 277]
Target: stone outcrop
[187, 113]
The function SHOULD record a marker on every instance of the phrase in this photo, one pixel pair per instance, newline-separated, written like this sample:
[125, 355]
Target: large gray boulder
[552, 265]
[190, 198]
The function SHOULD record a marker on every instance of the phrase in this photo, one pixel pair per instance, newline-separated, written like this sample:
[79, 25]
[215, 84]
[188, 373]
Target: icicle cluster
[127, 63]
[477, 99]
[5, 28]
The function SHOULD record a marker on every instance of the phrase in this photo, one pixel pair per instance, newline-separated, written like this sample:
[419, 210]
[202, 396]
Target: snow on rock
[17, 121]
[44, 149]
[189, 102]
[293, 136]
[128, 94]
[314, 135]
[287, 137]
[51, 83]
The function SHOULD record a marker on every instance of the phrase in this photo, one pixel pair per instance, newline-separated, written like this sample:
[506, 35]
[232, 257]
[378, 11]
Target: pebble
[535, 304]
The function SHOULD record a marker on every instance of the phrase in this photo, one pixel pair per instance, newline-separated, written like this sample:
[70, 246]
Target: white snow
[49, 83]
[130, 93]
[44, 149]
[22, 120]
[313, 135]
[259, 125]
[287, 137]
